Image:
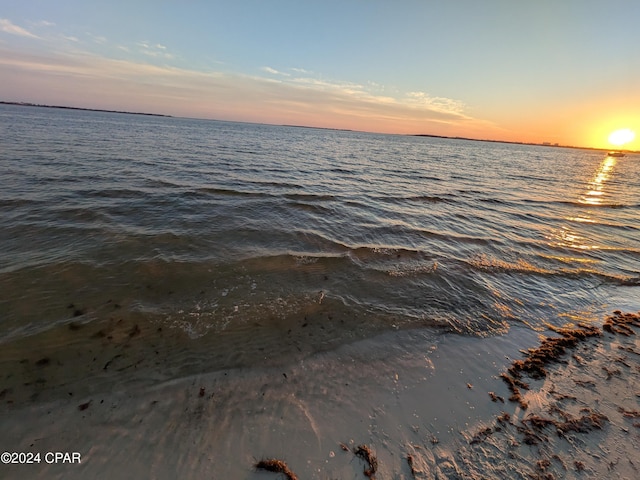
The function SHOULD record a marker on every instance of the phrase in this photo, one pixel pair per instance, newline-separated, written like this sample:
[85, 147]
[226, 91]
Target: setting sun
[622, 136]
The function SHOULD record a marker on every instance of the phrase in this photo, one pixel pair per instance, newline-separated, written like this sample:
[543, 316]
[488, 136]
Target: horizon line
[124, 112]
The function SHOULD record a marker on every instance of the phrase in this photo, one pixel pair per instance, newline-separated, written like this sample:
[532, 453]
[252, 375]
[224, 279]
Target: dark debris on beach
[534, 428]
[621, 323]
[590, 420]
[551, 349]
[364, 452]
[276, 466]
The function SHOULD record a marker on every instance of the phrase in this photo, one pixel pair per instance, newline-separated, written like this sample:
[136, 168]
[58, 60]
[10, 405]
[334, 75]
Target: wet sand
[582, 418]
[423, 404]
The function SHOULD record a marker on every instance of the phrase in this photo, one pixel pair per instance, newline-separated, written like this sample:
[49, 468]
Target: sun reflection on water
[594, 196]
[566, 237]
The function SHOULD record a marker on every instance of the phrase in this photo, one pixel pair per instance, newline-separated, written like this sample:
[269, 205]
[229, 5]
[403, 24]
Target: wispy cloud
[436, 103]
[154, 50]
[99, 39]
[8, 27]
[273, 71]
[292, 95]
[43, 23]
[289, 99]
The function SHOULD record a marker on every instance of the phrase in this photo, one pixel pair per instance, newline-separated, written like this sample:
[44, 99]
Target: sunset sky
[565, 71]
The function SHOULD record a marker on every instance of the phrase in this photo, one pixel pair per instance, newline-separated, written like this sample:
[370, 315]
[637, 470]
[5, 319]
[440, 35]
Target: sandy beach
[581, 420]
[425, 404]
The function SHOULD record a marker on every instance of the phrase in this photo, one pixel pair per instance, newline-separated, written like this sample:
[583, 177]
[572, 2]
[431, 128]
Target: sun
[622, 136]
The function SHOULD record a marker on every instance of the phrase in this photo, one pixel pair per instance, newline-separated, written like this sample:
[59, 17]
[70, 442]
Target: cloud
[99, 39]
[436, 103]
[44, 23]
[414, 104]
[273, 71]
[292, 96]
[89, 80]
[157, 50]
[7, 27]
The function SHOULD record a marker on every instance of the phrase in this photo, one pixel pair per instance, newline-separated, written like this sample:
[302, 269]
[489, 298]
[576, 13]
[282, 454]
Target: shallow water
[136, 251]
[210, 227]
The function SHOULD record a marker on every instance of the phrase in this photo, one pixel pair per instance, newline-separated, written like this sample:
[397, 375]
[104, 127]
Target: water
[144, 258]
[213, 227]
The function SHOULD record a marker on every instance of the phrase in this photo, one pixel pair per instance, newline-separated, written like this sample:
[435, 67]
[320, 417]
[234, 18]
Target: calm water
[212, 245]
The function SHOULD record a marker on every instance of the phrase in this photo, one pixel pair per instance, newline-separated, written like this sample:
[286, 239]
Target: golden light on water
[594, 196]
[595, 192]
[622, 136]
[567, 237]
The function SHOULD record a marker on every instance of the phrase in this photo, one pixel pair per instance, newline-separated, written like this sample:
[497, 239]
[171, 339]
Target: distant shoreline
[28, 104]
[544, 144]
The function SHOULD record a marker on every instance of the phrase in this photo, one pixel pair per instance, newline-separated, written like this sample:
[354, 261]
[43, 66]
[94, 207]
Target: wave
[279, 185]
[579, 204]
[310, 196]
[311, 207]
[12, 203]
[496, 201]
[602, 223]
[344, 170]
[366, 254]
[160, 183]
[111, 193]
[216, 191]
[430, 178]
[483, 262]
[534, 178]
[454, 239]
[427, 199]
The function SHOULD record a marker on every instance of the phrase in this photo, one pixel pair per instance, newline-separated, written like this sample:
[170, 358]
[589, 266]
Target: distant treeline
[27, 104]
[545, 144]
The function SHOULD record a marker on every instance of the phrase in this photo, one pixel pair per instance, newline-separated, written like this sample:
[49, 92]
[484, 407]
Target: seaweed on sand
[481, 435]
[515, 385]
[629, 413]
[496, 398]
[621, 323]
[368, 456]
[277, 466]
[589, 421]
[412, 467]
[586, 423]
[550, 350]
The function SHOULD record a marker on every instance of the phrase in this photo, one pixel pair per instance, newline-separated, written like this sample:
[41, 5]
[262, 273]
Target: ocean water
[235, 237]
[180, 297]
[225, 240]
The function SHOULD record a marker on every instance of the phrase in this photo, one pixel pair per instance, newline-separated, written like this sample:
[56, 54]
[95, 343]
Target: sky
[558, 71]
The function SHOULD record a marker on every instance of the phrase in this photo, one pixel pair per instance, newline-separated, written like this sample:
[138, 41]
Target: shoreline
[436, 399]
[62, 107]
